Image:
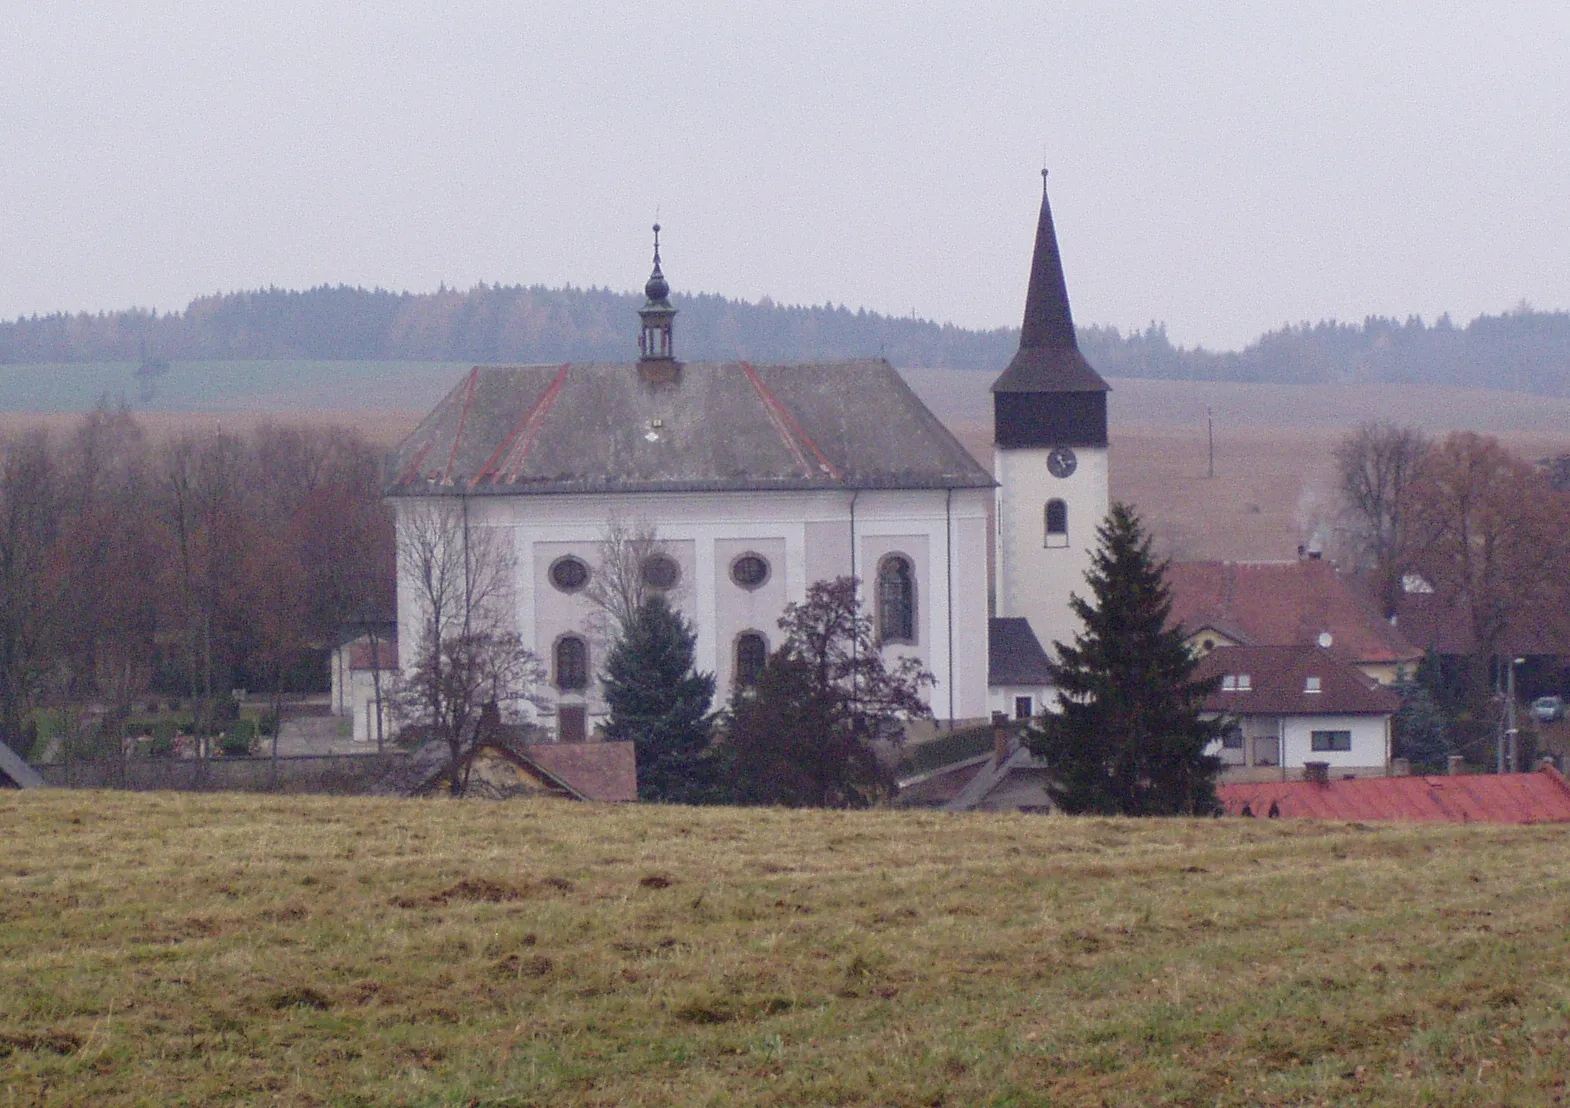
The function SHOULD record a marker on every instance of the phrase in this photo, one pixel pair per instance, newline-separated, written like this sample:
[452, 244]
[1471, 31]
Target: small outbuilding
[501, 768]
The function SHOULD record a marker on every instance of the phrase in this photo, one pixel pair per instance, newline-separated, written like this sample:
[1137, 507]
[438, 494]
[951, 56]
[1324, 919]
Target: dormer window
[1311, 685]
[1229, 683]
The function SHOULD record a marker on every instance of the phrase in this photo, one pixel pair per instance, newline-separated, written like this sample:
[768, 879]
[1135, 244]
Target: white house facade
[1294, 706]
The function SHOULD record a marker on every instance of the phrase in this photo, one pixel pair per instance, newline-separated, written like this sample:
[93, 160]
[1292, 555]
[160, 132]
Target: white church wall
[804, 536]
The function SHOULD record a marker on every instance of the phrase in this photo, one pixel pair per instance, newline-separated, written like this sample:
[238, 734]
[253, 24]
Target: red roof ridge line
[413, 469]
[771, 410]
[463, 418]
[774, 403]
[530, 423]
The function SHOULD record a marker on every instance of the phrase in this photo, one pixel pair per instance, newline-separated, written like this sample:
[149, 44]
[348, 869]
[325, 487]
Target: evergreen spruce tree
[1129, 740]
[1422, 726]
[660, 703]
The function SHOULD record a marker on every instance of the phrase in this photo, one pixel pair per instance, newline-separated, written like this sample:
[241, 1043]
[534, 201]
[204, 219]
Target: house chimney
[1455, 765]
[1317, 772]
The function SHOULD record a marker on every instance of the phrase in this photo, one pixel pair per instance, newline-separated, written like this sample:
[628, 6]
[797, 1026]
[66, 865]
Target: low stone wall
[336, 774]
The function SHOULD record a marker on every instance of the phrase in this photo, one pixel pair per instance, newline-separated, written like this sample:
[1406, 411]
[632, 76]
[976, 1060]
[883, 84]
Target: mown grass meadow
[201, 949]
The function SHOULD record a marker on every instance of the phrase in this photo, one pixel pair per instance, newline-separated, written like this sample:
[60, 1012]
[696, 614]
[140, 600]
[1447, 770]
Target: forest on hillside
[1522, 350]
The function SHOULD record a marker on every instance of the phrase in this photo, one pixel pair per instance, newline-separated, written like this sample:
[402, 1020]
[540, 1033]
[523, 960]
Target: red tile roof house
[1297, 705]
[1541, 797]
[1299, 603]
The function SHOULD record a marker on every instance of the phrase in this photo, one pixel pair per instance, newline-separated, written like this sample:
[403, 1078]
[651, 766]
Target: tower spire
[1048, 359]
[1048, 321]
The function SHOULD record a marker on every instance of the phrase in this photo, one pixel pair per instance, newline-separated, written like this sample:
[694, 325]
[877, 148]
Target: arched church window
[752, 651]
[572, 663]
[896, 599]
[1057, 523]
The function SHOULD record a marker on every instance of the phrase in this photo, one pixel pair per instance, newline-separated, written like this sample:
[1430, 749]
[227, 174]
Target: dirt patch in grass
[50, 1042]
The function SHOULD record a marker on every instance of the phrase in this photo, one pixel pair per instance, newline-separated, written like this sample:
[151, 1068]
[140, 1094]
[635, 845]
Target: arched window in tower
[752, 651]
[572, 664]
[896, 600]
[1057, 523]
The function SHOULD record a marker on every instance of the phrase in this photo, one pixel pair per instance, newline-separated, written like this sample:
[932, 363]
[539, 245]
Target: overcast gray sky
[1223, 167]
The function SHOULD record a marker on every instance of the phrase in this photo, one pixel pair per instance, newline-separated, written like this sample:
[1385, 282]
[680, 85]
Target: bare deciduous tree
[619, 585]
[1375, 465]
[31, 596]
[1490, 534]
[466, 662]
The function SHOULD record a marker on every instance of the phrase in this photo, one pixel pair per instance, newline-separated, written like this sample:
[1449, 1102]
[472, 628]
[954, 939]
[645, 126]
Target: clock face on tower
[1061, 462]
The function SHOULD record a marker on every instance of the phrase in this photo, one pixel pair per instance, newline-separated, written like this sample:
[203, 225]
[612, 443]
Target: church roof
[717, 426]
[1048, 359]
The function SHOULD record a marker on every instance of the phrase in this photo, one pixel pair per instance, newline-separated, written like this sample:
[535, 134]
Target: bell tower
[1049, 455]
[656, 342]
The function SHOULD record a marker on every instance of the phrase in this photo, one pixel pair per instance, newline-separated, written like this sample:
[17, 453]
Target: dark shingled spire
[1048, 359]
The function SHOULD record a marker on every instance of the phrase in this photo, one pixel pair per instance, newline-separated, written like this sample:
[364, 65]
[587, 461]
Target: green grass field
[183, 949]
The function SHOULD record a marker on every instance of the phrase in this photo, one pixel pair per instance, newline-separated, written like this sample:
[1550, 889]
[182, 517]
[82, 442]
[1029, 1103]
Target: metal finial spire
[656, 243]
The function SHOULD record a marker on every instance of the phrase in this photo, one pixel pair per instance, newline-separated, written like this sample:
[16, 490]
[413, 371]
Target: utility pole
[1210, 436]
[1511, 751]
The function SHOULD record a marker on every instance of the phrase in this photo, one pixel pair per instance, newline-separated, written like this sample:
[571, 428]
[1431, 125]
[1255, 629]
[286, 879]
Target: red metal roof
[1541, 797]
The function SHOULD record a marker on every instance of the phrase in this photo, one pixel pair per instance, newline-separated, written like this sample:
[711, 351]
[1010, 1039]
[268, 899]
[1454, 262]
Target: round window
[569, 574]
[660, 571]
[750, 570]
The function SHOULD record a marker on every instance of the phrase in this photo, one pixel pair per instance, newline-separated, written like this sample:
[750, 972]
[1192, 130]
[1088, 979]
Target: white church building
[759, 480]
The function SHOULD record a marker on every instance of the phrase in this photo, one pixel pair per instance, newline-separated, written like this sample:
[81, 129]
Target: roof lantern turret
[656, 345]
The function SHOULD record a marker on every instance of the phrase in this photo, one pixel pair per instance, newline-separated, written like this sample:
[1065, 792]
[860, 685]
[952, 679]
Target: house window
[1267, 751]
[1024, 707]
[660, 571]
[752, 652]
[1232, 749]
[572, 663]
[1245, 682]
[1311, 685]
[572, 724]
[1330, 741]
[569, 574]
[750, 571]
[896, 600]
[1057, 523]
[1229, 683]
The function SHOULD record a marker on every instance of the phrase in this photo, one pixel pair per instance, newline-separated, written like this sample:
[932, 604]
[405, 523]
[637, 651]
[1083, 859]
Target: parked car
[1547, 709]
